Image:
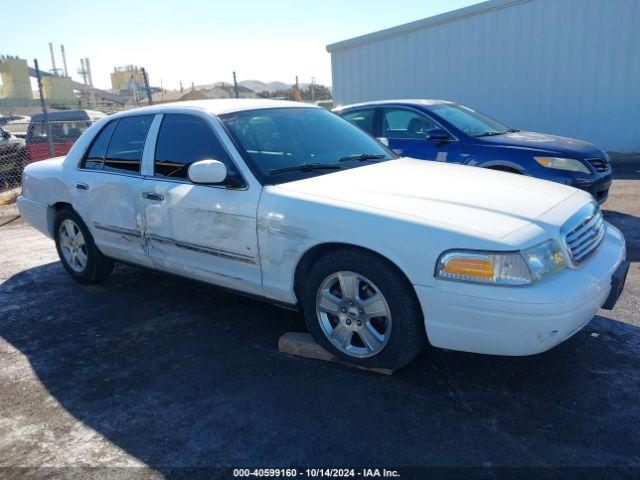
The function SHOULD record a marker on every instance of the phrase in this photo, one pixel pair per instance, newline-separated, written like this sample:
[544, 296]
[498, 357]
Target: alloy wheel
[73, 245]
[353, 314]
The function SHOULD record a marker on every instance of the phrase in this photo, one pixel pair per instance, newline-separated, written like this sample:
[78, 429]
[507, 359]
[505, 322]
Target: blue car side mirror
[437, 134]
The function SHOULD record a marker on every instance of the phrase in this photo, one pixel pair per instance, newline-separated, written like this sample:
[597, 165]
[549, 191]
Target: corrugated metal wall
[568, 67]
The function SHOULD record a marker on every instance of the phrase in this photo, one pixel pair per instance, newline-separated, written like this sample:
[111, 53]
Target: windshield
[276, 141]
[468, 120]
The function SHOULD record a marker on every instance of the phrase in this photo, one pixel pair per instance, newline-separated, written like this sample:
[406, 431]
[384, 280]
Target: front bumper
[598, 188]
[521, 320]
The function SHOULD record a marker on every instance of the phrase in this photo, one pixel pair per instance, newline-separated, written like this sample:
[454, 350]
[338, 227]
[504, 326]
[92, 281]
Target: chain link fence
[22, 143]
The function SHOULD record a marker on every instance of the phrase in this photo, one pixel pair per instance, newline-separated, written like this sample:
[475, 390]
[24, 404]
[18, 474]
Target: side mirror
[207, 172]
[437, 134]
[5, 134]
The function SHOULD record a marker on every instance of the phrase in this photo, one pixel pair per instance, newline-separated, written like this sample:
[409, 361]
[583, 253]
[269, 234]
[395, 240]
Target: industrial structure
[16, 84]
[568, 67]
[58, 91]
[127, 81]
[58, 88]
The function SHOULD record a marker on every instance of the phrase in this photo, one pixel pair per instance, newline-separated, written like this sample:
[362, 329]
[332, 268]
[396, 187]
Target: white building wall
[567, 67]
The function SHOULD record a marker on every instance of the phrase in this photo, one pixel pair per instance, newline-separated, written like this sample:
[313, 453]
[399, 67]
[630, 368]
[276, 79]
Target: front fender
[494, 157]
[289, 226]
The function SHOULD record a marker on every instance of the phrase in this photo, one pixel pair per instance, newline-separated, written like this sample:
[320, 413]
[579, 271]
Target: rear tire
[77, 251]
[362, 309]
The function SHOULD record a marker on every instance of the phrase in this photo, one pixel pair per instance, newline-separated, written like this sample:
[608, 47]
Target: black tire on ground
[98, 267]
[407, 335]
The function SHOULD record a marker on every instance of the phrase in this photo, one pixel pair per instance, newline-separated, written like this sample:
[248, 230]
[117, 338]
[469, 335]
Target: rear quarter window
[95, 157]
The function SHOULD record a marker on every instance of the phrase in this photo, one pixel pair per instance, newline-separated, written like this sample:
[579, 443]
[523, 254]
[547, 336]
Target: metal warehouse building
[568, 67]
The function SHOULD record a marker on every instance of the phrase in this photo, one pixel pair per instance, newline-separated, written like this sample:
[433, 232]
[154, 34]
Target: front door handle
[82, 186]
[153, 196]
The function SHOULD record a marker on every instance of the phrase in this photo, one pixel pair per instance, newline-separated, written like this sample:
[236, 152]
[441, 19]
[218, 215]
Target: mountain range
[255, 85]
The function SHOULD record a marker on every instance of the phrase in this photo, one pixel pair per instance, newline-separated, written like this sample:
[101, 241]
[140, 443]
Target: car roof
[219, 106]
[78, 114]
[427, 102]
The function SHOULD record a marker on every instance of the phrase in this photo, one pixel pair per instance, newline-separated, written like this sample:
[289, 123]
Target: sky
[201, 41]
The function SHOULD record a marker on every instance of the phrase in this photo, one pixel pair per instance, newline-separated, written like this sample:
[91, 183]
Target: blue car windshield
[282, 144]
[468, 120]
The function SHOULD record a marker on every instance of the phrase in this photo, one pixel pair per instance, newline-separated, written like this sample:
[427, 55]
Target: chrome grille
[599, 164]
[583, 233]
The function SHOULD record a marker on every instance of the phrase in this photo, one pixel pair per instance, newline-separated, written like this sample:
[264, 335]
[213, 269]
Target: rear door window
[124, 151]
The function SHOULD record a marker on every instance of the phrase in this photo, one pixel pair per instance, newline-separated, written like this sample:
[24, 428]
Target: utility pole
[235, 86]
[181, 89]
[146, 85]
[45, 113]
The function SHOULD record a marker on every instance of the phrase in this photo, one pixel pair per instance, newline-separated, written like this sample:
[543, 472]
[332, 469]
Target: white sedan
[292, 204]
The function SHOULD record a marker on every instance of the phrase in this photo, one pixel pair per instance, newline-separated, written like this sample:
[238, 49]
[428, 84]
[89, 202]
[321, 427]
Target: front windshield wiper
[513, 130]
[362, 157]
[305, 167]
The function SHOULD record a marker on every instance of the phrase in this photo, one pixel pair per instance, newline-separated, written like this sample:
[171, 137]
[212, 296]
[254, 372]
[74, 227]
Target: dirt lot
[148, 376]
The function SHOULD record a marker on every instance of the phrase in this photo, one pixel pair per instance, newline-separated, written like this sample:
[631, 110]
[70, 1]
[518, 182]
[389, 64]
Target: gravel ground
[149, 376]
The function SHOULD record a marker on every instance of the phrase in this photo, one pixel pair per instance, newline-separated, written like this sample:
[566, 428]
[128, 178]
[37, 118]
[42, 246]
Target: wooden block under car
[302, 345]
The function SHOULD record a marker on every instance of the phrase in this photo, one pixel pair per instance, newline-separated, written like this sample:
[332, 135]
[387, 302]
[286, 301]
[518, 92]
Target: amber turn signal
[470, 267]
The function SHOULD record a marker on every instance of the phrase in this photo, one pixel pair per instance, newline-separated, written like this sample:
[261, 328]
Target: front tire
[362, 309]
[77, 251]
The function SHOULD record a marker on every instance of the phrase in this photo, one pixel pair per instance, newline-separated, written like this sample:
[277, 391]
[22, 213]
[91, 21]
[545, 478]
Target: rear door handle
[153, 196]
[82, 186]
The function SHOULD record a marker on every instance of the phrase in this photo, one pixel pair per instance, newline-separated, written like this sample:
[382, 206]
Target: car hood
[457, 197]
[553, 144]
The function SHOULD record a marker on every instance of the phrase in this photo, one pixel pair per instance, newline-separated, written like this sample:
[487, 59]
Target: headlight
[508, 268]
[545, 259]
[568, 164]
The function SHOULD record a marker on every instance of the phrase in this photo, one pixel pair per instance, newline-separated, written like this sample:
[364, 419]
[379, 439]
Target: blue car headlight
[566, 164]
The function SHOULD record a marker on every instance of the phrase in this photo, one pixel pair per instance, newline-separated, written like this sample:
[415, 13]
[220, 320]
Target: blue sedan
[450, 132]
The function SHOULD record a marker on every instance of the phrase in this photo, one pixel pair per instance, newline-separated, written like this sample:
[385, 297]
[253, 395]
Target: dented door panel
[204, 232]
[113, 213]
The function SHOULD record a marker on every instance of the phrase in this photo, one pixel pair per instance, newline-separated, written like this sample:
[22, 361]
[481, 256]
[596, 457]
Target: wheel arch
[52, 211]
[314, 253]
[504, 166]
